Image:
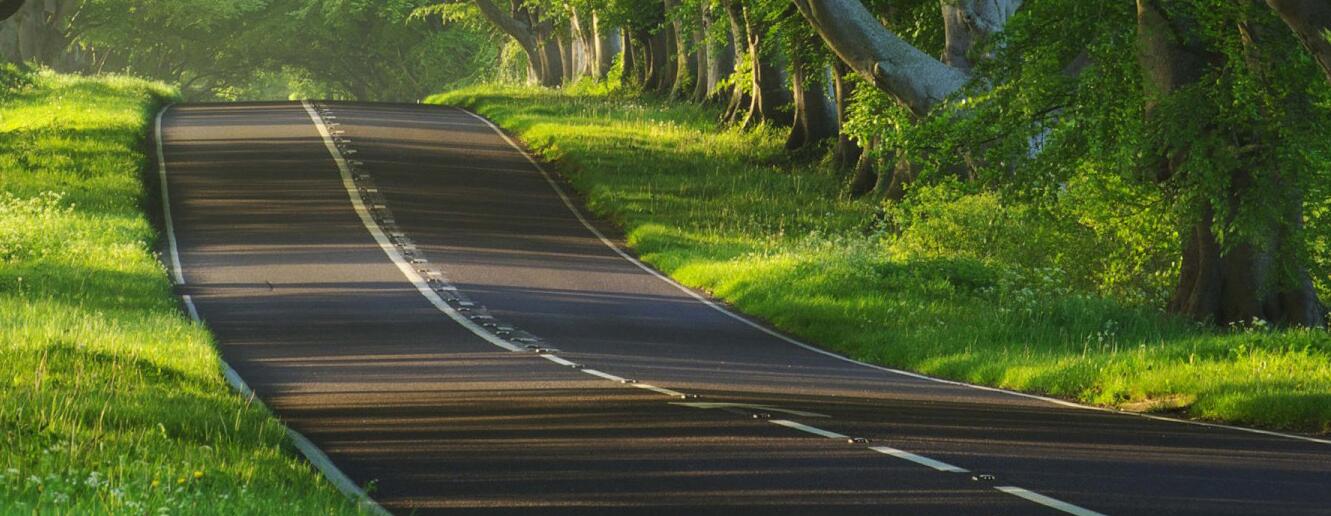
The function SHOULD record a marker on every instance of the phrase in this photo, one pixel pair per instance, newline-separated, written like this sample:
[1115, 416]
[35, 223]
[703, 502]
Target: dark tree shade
[8, 8]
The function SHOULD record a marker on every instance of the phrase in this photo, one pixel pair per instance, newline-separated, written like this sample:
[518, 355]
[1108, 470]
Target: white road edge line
[1046, 501]
[918, 459]
[578, 213]
[311, 452]
[810, 429]
[387, 246]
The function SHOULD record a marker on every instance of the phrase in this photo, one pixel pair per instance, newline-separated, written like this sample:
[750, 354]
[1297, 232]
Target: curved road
[370, 270]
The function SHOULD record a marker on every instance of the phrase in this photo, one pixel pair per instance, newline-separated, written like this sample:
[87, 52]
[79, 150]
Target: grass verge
[111, 401]
[727, 211]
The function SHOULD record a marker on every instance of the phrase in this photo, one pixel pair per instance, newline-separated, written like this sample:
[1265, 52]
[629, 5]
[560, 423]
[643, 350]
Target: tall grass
[729, 212]
[111, 400]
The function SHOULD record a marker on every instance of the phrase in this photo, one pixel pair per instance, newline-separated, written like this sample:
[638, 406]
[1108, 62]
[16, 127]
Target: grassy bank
[725, 211]
[111, 401]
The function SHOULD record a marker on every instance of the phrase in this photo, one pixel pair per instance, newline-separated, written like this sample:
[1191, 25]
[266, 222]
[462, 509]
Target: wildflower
[198, 474]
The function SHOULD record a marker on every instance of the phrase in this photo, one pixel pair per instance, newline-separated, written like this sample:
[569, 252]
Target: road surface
[403, 287]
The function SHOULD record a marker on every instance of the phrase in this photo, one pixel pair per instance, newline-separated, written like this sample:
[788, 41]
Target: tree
[40, 32]
[815, 118]
[1243, 208]
[911, 76]
[534, 32]
[915, 79]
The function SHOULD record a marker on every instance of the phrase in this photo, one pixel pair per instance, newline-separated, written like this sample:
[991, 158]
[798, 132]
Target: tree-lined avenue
[310, 310]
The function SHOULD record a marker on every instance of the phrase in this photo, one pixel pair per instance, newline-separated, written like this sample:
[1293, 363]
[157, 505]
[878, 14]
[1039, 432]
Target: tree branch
[914, 78]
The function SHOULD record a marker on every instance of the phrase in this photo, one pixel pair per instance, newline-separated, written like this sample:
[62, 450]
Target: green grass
[111, 401]
[727, 212]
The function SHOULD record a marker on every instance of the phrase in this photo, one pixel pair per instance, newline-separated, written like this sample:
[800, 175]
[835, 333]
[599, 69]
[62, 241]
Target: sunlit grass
[111, 401]
[725, 211]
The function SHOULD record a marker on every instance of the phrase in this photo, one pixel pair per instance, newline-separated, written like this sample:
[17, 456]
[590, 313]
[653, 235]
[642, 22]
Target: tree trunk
[1259, 277]
[847, 152]
[686, 57]
[629, 70]
[552, 69]
[607, 45]
[815, 119]
[720, 64]
[582, 53]
[702, 53]
[893, 186]
[657, 55]
[667, 52]
[564, 44]
[739, 99]
[769, 93]
[1311, 22]
[865, 176]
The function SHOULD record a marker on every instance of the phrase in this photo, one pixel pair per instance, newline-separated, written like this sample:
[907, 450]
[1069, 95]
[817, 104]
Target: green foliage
[1056, 121]
[112, 401]
[960, 281]
[239, 49]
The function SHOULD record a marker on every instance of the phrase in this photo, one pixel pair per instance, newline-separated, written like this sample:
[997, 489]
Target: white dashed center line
[1047, 501]
[810, 429]
[918, 459]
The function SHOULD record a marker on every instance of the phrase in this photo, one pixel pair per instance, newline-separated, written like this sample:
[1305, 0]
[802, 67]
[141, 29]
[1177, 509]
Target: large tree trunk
[1311, 22]
[1259, 277]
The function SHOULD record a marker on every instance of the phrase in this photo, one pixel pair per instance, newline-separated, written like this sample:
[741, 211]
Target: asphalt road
[373, 304]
